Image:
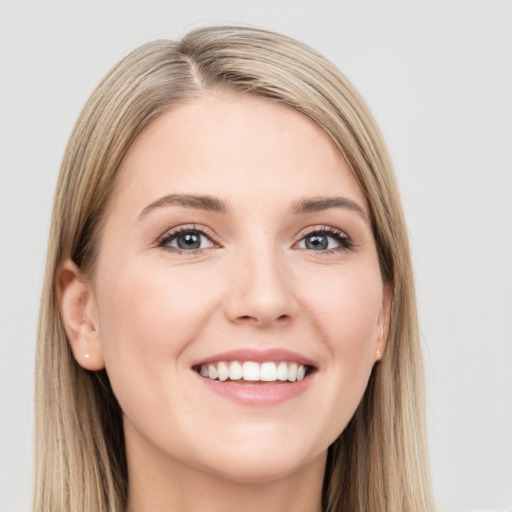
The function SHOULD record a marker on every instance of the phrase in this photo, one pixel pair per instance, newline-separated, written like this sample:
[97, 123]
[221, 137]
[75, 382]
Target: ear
[383, 321]
[79, 315]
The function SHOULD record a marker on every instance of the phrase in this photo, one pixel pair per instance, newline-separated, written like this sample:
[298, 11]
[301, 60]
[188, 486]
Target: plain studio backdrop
[437, 76]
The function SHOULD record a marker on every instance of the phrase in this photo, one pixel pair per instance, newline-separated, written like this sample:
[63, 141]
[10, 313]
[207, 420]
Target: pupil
[189, 241]
[317, 242]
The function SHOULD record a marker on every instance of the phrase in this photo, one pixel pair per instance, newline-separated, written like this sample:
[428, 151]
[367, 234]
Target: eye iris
[317, 242]
[189, 241]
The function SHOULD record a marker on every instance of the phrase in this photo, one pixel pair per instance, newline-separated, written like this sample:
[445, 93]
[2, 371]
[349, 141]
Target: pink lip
[258, 356]
[248, 393]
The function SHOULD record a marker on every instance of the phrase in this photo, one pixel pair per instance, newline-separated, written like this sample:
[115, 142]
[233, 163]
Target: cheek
[147, 316]
[151, 307]
[346, 310]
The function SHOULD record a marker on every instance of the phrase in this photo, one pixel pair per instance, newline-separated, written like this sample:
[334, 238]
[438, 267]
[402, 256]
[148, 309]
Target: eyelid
[327, 230]
[320, 228]
[184, 228]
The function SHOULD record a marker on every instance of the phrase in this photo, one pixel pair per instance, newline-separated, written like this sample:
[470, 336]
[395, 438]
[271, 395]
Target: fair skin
[275, 260]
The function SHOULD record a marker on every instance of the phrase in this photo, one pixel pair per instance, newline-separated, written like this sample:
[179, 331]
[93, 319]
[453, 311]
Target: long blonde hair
[379, 463]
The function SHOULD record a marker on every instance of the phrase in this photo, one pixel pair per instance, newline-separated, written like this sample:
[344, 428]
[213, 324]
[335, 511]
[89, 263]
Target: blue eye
[325, 239]
[186, 240]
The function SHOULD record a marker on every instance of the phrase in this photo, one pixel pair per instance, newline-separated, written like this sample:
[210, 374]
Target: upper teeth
[251, 371]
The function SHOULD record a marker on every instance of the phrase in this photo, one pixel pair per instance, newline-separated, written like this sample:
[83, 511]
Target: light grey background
[438, 77]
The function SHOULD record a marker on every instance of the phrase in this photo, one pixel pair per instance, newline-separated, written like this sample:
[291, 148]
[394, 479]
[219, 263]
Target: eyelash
[339, 236]
[168, 237]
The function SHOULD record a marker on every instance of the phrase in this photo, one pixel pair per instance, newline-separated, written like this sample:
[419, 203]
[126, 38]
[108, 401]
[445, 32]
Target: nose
[261, 292]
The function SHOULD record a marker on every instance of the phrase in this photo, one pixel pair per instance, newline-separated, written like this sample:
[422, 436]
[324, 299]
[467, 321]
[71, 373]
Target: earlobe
[77, 305]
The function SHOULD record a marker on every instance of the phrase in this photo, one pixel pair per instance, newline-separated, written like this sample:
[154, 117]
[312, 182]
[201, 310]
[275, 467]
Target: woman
[228, 319]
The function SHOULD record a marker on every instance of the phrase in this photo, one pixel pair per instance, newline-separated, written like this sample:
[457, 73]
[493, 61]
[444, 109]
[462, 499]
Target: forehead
[242, 148]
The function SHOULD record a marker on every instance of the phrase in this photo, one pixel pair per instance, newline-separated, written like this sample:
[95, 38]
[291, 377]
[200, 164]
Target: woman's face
[237, 243]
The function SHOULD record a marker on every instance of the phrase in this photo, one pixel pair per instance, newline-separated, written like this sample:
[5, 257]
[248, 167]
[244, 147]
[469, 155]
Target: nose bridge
[261, 292]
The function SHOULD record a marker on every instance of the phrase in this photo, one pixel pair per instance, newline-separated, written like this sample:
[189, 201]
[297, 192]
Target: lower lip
[264, 393]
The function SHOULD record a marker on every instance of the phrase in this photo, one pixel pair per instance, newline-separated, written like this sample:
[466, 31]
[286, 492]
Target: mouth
[279, 372]
[255, 377]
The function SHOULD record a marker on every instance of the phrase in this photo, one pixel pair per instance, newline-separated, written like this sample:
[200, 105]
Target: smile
[252, 371]
[254, 377]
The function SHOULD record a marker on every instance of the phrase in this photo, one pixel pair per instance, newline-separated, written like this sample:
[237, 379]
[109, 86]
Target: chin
[260, 464]
[258, 472]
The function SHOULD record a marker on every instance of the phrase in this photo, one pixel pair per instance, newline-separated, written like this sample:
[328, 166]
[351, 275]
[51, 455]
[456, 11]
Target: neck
[161, 484]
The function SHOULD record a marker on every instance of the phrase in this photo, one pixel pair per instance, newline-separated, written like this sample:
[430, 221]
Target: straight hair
[379, 463]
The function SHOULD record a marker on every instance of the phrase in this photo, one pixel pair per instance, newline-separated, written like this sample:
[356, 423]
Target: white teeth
[292, 372]
[212, 371]
[223, 371]
[235, 370]
[254, 372]
[268, 372]
[251, 371]
[282, 371]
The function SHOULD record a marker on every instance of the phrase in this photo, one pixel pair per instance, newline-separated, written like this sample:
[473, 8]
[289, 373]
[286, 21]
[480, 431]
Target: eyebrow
[213, 204]
[310, 205]
[199, 202]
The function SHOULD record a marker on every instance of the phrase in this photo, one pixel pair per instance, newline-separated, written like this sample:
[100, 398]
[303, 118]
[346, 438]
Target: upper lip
[258, 356]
